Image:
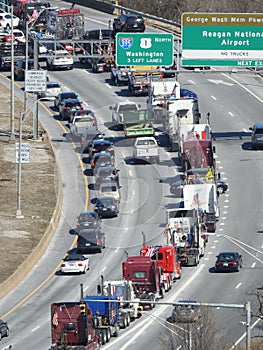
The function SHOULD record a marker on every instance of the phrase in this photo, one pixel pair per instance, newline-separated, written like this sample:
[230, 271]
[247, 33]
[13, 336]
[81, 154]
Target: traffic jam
[169, 109]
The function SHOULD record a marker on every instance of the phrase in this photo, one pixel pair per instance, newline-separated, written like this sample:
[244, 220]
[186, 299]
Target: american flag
[55, 319]
[166, 230]
[196, 199]
[113, 314]
[144, 80]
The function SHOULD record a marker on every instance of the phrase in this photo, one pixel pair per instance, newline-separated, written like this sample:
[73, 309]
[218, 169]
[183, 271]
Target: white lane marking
[109, 86]
[34, 329]
[213, 97]
[216, 240]
[213, 247]
[243, 336]
[206, 259]
[209, 253]
[253, 265]
[225, 212]
[226, 206]
[220, 229]
[222, 224]
[130, 172]
[243, 87]
[191, 81]
[237, 286]
[226, 200]
[157, 313]
[230, 113]
[104, 268]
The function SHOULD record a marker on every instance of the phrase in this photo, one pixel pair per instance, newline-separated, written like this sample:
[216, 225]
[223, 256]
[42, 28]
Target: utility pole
[35, 111]
[12, 109]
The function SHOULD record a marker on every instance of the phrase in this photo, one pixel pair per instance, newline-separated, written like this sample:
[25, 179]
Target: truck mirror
[98, 289]
[214, 149]
[219, 176]
[110, 107]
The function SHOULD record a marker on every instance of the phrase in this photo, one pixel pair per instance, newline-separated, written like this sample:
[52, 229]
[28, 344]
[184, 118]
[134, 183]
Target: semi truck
[168, 262]
[6, 55]
[185, 233]
[203, 198]
[72, 327]
[145, 276]
[197, 153]
[160, 92]
[139, 79]
[124, 291]
[180, 111]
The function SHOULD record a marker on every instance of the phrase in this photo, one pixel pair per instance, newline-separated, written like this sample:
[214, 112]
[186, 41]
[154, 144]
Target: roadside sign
[25, 152]
[35, 80]
[147, 49]
[222, 39]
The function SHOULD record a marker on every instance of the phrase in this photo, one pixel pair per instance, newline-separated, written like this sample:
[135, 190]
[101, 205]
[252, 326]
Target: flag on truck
[144, 81]
[55, 319]
[210, 173]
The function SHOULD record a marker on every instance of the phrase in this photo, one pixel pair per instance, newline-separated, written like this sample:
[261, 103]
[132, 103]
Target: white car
[109, 189]
[75, 263]
[5, 21]
[53, 89]
[19, 35]
[60, 59]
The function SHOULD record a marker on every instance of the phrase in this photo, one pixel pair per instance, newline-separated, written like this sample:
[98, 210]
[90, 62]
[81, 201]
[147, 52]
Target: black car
[106, 173]
[107, 207]
[88, 219]
[20, 68]
[221, 186]
[86, 139]
[64, 96]
[228, 262]
[68, 106]
[101, 159]
[129, 23]
[4, 329]
[90, 240]
[99, 146]
[257, 136]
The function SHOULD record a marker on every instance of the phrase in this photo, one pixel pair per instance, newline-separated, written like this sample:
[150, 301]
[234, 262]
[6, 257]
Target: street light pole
[12, 109]
[18, 210]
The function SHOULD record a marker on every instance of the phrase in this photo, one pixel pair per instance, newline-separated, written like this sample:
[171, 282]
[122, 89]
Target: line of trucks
[148, 276]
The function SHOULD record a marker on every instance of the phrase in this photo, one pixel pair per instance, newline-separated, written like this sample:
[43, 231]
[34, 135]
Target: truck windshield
[139, 274]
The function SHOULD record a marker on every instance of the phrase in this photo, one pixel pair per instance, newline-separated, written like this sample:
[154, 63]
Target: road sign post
[222, 39]
[147, 49]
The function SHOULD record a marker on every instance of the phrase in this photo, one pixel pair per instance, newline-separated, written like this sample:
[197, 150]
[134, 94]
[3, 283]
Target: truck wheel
[124, 323]
[116, 81]
[128, 320]
[117, 331]
[103, 337]
[108, 335]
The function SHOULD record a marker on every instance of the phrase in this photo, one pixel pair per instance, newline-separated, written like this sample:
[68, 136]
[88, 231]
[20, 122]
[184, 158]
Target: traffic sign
[222, 39]
[147, 49]
[25, 152]
[35, 80]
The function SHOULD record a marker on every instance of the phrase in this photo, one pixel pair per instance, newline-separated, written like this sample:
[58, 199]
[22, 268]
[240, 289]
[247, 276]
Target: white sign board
[25, 152]
[35, 80]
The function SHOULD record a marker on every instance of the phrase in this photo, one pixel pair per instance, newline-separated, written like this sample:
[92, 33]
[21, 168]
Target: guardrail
[111, 7]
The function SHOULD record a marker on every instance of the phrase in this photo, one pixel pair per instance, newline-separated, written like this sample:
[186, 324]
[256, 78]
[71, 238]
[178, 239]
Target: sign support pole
[18, 210]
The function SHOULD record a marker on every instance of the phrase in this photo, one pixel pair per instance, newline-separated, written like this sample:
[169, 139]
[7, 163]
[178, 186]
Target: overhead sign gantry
[222, 39]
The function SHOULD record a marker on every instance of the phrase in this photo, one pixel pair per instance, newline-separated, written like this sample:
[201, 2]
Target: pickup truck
[120, 75]
[80, 126]
[117, 112]
[146, 149]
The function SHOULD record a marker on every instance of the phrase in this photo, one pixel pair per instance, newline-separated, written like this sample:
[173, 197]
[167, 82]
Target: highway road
[235, 103]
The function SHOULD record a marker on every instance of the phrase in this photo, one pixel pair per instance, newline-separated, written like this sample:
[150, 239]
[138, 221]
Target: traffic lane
[226, 101]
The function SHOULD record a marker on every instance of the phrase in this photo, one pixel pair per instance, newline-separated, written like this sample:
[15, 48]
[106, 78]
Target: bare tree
[202, 335]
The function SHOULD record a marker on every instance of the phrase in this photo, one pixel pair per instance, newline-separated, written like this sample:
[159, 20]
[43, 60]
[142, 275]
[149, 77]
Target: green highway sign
[147, 49]
[222, 39]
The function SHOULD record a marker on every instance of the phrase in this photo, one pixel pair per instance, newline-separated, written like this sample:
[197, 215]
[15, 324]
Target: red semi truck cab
[143, 272]
[197, 154]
